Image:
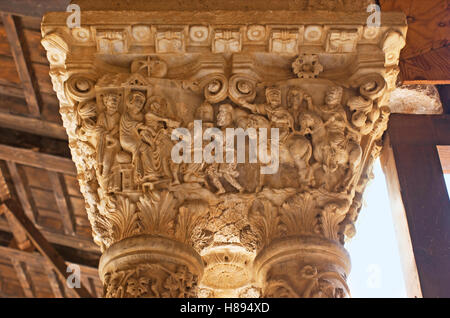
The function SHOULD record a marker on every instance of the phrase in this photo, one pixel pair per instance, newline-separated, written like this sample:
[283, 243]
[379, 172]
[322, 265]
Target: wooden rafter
[23, 69]
[44, 247]
[62, 201]
[22, 191]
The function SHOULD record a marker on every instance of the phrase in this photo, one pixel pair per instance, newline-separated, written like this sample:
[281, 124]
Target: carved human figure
[354, 151]
[278, 115]
[295, 100]
[194, 172]
[108, 129]
[334, 114]
[86, 126]
[157, 145]
[328, 142]
[130, 139]
[225, 170]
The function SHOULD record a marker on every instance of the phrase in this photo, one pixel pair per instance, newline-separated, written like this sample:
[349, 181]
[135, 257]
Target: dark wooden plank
[22, 191]
[36, 159]
[423, 194]
[25, 72]
[24, 278]
[44, 247]
[32, 7]
[63, 202]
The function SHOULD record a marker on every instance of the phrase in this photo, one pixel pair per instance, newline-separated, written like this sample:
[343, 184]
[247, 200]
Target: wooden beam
[32, 7]
[62, 200]
[38, 160]
[18, 232]
[22, 191]
[44, 247]
[418, 195]
[37, 260]
[24, 277]
[25, 72]
[33, 125]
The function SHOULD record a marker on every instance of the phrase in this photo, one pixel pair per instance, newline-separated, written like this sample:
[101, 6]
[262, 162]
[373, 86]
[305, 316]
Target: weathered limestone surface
[416, 99]
[127, 79]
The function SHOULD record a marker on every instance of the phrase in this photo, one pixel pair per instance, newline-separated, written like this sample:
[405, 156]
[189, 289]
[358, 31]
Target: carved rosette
[198, 228]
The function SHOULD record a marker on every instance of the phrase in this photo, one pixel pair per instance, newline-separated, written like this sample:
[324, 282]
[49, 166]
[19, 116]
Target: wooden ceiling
[37, 169]
[425, 59]
[35, 159]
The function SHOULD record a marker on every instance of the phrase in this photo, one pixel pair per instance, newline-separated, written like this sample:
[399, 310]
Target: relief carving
[315, 126]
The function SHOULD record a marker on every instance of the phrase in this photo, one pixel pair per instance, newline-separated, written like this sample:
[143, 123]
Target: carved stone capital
[145, 96]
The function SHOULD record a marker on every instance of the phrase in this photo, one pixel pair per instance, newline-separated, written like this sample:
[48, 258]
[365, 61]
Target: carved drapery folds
[196, 228]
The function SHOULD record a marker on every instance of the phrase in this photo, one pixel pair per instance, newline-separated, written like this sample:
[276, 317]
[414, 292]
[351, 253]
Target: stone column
[139, 90]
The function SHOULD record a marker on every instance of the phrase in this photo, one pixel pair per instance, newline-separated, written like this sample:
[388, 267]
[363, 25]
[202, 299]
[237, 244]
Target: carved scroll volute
[242, 87]
[214, 87]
